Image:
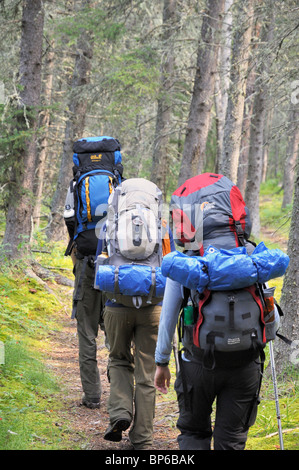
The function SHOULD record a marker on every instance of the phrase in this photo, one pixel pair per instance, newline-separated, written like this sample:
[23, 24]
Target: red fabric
[237, 205]
[196, 183]
[183, 227]
[201, 302]
[252, 290]
[232, 227]
[238, 211]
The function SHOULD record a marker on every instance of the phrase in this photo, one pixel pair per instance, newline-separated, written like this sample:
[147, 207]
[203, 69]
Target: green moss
[28, 403]
[30, 397]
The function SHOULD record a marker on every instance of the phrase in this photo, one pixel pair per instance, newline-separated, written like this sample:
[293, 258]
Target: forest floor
[88, 426]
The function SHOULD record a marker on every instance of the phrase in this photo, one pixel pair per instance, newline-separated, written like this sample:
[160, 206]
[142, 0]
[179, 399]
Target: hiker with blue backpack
[217, 293]
[128, 270]
[97, 170]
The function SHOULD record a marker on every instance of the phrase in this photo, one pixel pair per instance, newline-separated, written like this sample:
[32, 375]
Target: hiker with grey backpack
[216, 291]
[128, 271]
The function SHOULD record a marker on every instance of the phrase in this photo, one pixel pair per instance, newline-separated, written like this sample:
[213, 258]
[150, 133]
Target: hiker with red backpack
[216, 290]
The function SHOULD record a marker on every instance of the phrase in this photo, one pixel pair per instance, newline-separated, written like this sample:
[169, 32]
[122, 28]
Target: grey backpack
[134, 238]
[134, 223]
[229, 321]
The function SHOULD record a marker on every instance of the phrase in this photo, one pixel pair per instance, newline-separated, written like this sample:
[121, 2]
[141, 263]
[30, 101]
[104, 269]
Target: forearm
[168, 320]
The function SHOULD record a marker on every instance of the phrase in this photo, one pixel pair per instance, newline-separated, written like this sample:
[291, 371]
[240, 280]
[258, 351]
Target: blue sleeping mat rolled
[133, 280]
[225, 269]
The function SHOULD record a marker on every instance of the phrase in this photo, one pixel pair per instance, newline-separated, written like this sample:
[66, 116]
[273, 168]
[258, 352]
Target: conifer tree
[20, 201]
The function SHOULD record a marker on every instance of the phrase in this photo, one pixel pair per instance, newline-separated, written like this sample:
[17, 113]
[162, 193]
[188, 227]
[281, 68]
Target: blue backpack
[97, 171]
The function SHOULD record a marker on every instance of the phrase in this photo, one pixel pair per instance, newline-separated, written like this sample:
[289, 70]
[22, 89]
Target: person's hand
[162, 379]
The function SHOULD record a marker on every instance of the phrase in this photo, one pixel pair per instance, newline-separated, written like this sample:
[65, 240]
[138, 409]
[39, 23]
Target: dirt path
[88, 426]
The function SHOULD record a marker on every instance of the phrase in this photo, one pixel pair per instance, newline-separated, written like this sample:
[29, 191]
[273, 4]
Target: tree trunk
[20, 206]
[259, 117]
[265, 160]
[202, 98]
[222, 79]
[162, 134]
[292, 152]
[285, 355]
[44, 124]
[245, 140]
[237, 90]
[248, 108]
[74, 129]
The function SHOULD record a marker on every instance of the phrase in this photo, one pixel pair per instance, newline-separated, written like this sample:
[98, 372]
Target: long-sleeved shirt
[172, 302]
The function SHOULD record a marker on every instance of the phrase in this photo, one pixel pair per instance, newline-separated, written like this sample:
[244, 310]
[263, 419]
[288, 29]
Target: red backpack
[209, 209]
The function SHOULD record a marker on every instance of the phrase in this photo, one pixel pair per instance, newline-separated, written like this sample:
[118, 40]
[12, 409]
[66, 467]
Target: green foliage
[29, 394]
[273, 217]
[15, 132]
[28, 411]
[131, 81]
[264, 434]
[95, 21]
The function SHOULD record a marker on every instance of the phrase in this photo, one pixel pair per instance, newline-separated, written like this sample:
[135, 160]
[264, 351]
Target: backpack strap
[116, 281]
[153, 286]
[180, 328]
[240, 233]
[184, 303]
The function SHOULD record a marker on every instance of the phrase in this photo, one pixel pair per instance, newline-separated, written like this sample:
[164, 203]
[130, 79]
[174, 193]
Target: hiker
[136, 239]
[223, 331]
[97, 169]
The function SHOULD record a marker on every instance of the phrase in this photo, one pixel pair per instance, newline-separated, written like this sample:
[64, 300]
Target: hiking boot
[91, 402]
[114, 431]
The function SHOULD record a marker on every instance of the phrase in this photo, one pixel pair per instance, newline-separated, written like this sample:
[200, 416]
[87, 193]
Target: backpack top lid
[214, 201]
[101, 153]
[96, 144]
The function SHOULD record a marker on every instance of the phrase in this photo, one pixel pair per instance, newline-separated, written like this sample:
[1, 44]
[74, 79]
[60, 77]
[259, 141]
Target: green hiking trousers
[132, 370]
[88, 311]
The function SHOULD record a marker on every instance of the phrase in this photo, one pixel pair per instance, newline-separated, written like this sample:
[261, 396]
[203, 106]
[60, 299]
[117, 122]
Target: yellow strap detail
[110, 184]
[87, 199]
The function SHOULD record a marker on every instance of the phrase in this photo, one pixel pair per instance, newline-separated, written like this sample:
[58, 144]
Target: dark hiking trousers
[88, 310]
[235, 391]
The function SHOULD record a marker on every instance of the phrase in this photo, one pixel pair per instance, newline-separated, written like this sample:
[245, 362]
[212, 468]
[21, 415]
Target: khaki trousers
[89, 306]
[131, 373]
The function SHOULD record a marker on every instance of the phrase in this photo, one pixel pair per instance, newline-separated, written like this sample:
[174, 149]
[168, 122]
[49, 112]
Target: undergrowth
[29, 393]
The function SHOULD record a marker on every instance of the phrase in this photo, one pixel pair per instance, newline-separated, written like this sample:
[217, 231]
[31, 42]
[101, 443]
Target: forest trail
[87, 426]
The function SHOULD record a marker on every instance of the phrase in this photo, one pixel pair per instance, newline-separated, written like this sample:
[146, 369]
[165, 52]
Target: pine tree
[20, 200]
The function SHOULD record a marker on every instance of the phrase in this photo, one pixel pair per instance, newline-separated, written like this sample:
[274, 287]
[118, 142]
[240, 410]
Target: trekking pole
[276, 394]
